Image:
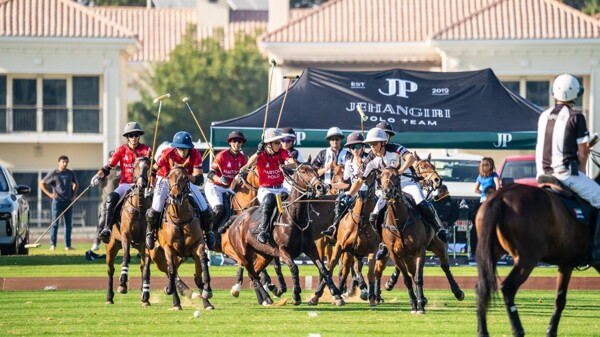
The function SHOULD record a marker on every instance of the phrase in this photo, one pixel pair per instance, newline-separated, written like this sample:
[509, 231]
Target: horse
[356, 238]
[405, 235]
[533, 225]
[428, 177]
[291, 235]
[181, 236]
[131, 232]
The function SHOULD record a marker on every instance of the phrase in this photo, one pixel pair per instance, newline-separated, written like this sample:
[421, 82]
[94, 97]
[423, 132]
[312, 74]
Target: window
[512, 86]
[55, 105]
[3, 104]
[24, 111]
[538, 92]
[86, 104]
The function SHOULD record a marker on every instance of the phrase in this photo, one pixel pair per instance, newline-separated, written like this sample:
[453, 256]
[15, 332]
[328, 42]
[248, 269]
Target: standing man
[124, 156]
[562, 148]
[333, 156]
[268, 157]
[64, 189]
[181, 153]
[224, 168]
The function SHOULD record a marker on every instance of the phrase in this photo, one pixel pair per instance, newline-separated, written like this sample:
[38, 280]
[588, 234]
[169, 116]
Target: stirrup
[329, 231]
[263, 237]
[382, 252]
[105, 235]
[442, 234]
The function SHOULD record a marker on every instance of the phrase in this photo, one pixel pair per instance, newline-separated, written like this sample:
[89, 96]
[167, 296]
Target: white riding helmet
[566, 88]
[375, 135]
[334, 132]
[271, 135]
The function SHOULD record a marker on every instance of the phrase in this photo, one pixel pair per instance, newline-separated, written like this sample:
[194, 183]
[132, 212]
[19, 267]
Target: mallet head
[186, 99]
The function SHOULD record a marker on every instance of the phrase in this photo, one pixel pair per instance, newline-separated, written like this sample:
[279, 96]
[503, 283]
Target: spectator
[107, 186]
[64, 188]
[446, 207]
[487, 177]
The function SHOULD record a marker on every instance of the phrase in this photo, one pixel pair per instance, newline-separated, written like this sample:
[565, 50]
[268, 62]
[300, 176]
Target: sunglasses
[355, 147]
[287, 140]
[237, 140]
[335, 139]
[276, 143]
[133, 135]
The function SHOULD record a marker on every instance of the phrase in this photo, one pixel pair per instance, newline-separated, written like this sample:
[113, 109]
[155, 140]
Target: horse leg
[345, 266]
[122, 288]
[562, 284]
[235, 289]
[280, 278]
[364, 291]
[404, 265]
[261, 295]
[158, 256]
[441, 250]
[145, 269]
[517, 276]
[389, 285]
[171, 275]
[373, 284]
[296, 290]
[111, 252]
[202, 276]
[421, 301]
[311, 251]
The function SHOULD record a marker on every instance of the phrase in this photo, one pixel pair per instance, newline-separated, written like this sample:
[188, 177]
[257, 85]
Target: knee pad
[270, 201]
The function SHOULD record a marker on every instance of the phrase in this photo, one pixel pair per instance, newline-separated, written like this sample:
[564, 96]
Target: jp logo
[399, 87]
[503, 140]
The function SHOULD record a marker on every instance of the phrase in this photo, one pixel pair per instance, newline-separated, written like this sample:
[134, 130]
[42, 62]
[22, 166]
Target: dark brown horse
[181, 236]
[291, 235]
[356, 238]
[532, 225]
[131, 232]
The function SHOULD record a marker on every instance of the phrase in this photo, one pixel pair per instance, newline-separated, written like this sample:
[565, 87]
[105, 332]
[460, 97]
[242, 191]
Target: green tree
[219, 83]
[591, 7]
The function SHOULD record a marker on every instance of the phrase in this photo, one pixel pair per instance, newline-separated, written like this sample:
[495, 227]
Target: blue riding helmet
[182, 140]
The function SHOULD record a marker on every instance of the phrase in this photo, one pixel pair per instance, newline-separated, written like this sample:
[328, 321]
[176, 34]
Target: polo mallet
[158, 99]
[273, 65]
[363, 118]
[287, 89]
[186, 101]
[36, 244]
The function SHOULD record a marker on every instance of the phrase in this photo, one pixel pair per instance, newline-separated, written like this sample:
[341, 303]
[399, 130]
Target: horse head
[390, 183]
[426, 170]
[178, 184]
[141, 168]
[304, 179]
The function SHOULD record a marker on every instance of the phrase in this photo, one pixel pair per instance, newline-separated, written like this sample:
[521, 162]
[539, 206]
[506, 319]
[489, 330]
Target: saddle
[257, 218]
[580, 209]
[413, 213]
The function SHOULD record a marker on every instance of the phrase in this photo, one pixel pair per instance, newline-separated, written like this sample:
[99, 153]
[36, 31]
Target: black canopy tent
[468, 110]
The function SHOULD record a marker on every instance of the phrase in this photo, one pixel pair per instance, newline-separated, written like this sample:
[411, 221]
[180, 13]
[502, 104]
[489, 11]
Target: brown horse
[404, 234]
[429, 179]
[131, 232]
[291, 235]
[533, 225]
[356, 238]
[181, 236]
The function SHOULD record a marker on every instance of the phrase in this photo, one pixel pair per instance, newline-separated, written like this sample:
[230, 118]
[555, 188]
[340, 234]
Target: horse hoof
[421, 312]
[110, 302]
[122, 290]
[166, 290]
[313, 301]
[413, 312]
[339, 301]
[265, 304]
[235, 290]
[210, 307]
[296, 303]
[372, 303]
[207, 294]
[146, 304]
[460, 295]
[364, 296]
[388, 286]
[194, 295]
[176, 307]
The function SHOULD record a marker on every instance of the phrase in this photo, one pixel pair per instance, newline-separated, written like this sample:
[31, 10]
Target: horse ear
[309, 160]
[429, 156]
[417, 156]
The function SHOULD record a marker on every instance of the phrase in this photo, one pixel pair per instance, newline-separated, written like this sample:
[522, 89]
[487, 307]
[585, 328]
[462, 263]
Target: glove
[224, 180]
[147, 192]
[260, 148]
[344, 199]
[95, 180]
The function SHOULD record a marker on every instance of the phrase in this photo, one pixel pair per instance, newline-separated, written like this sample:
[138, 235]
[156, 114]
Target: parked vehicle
[14, 215]
[459, 172]
[518, 169]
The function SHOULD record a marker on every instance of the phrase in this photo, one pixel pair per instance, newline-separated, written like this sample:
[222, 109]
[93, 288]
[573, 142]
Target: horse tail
[486, 246]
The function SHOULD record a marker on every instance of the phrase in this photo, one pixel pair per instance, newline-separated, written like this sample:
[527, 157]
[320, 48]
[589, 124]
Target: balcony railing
[50, 119]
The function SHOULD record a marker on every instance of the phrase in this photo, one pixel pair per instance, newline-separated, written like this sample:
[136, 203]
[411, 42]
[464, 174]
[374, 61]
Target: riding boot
[218, 218]
[152, 219]
[428, 212]
[596, 244]
[109, 215]
[206, 221]
[267, 208]
[330, 231]
[383, 251]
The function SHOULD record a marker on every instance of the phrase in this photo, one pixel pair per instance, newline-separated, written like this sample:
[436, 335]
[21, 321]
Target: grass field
[83, 313]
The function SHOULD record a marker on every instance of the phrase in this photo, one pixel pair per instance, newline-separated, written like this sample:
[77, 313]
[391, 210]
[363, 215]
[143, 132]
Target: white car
[459, 172]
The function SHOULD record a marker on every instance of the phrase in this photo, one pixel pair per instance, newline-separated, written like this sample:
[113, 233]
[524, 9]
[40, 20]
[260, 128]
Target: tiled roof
[420, 20]
[159, 30]
[375, 20]
[503, 20]
[55, 18]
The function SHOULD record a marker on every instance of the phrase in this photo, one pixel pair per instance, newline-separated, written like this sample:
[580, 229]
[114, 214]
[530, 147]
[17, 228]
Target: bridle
[310, 189]
[178, 193]
[430, 179]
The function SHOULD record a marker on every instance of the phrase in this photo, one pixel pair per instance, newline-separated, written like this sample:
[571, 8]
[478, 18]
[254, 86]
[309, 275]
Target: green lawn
[61, 263]
[83, 313]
